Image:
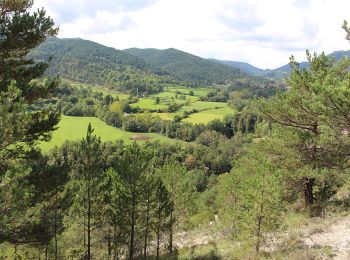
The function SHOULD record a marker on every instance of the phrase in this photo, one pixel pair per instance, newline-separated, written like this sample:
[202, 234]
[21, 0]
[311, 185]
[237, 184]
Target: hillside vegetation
[187, 67]
[141, 166]
[90, 62]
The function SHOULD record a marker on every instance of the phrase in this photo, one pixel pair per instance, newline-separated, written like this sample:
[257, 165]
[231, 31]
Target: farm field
[215, 110]
[148, 103]
[208, 115]
[197, 91]
[74, 128]
[172, 95]
[104, 91]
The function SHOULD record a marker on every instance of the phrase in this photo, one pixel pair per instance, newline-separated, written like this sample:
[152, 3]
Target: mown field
[104, 91]
[205, 111]
[74, 128]
[208, 115]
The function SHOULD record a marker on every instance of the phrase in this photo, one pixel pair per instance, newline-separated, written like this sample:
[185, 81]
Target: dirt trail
[336, 236]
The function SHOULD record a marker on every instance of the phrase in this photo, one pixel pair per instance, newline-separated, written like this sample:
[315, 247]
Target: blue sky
[262, 32]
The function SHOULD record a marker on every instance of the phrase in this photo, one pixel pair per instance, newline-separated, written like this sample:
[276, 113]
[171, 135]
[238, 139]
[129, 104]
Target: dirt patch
[337, 236]
[140, 138]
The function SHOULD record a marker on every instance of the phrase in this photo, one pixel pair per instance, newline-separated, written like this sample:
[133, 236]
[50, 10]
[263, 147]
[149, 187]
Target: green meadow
[208, 115]
[74, 128]
[207, 111]
[198, 92]
[148, 103]
[104, 91]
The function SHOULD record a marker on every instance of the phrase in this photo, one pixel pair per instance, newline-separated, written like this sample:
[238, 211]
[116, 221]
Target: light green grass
[104, 91]
[206, 116]
[215, 109]
[148, 103]
[199, 92]
[164, 116]
[74, 128]
[201, 105]
[169, 95]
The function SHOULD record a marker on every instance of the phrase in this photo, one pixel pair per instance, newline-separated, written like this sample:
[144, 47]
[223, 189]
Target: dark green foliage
[187, 67]
[250, 199]
[21, 31]
[86, 61]
[304, 111]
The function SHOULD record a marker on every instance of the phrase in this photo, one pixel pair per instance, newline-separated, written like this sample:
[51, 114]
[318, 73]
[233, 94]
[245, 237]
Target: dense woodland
[283, 152]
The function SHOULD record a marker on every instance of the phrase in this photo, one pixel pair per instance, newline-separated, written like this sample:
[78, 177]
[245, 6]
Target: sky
[264, 33]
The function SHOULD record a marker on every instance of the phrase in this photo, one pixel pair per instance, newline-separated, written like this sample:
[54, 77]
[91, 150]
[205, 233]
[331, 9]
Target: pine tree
[250, 199]
[88, 173]
[20, 32]
[180, 189]
[306, 111]
[133, 167]
[163, 209]
[112, 210]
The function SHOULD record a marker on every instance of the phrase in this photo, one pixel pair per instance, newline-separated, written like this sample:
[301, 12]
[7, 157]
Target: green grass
[207, 111]
[168, 95]
[148, 103]
[206, 116]
[199, 92]
[74, 128]
[164, 116]
[201, 105]
[104, 91]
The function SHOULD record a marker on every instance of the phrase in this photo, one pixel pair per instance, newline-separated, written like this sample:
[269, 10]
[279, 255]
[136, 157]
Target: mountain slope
[279, 72]
[337, 55]
[187, 67]
[243, 66]
[90, 62]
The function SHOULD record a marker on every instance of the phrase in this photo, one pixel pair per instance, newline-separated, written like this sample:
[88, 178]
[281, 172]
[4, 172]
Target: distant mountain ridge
[143, 69]
[86, 61]
[278, 72]
[185, 66]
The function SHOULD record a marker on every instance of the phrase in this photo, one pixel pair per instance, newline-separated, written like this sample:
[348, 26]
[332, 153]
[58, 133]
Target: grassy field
[207, 111]
[208, 115]
[104, 91]
[198, 92]
[148, 103]
[171, 95]
[214, 110]
[74, 128]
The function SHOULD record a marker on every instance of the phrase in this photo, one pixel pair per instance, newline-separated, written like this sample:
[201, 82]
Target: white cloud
[262, 32]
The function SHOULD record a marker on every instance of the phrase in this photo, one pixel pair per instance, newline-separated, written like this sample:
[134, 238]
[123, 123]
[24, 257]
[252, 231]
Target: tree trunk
[89, 219]
[114, 241]
[146, 231]
[55, 230]
[308, 184]
[158, 235]
[258, 236]
[171, 233]
[132, 233]
[109, 247]
[46, 252]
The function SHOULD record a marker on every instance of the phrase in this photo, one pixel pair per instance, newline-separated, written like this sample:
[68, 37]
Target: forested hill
[243, 66]
[187, 67]
[133, 70]
[90, 62]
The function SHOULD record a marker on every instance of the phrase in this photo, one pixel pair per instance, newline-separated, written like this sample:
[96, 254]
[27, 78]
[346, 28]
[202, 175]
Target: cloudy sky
[262, 32]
